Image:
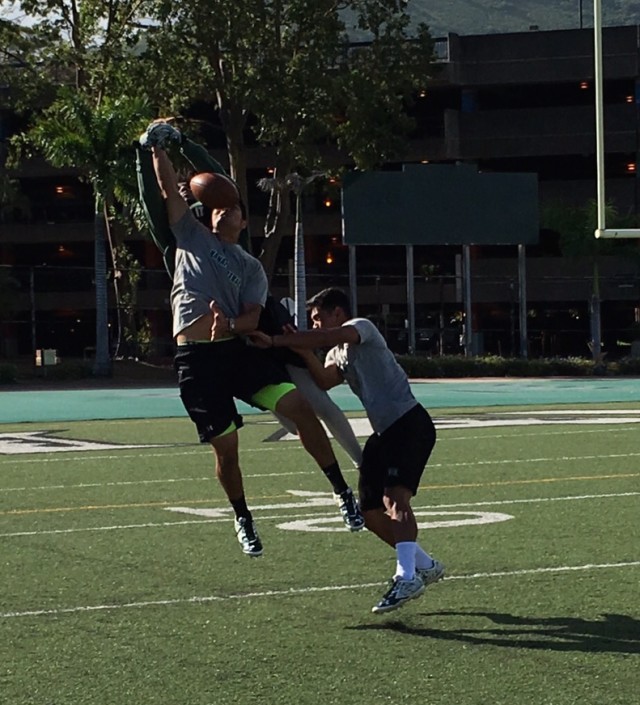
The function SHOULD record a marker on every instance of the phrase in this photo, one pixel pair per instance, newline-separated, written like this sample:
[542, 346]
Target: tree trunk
[271, 244]
[277, 223]
[596, 323]
[102, 362]
[233, 122]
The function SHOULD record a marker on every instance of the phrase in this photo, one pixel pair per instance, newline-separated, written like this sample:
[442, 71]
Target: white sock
[406, 560]
[423, 559]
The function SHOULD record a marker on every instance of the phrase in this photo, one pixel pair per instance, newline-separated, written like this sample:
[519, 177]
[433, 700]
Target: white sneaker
[401, 591]
[350, 510]
[247, 536]
[433, 574]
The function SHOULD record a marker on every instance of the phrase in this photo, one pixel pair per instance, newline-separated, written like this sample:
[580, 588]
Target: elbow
[325, 384]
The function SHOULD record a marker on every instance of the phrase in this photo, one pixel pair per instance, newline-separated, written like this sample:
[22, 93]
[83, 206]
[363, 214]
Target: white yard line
[293, 592]
[287, 516]
[37, 458]
[310, 471]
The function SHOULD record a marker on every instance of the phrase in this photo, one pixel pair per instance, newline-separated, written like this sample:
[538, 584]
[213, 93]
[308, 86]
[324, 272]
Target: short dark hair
[330, 298]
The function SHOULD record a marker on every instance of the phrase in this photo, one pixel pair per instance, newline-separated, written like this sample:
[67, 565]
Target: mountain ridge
[505, 16]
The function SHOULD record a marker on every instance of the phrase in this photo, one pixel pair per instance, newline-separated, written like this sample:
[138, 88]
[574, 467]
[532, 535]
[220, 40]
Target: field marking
[122, 483]
[335, 524]
[28, 442]
[461, 485]
[205, 451]
[292, 592]
[217, 518]
[545, 480]
[471, 463]
[492, 419]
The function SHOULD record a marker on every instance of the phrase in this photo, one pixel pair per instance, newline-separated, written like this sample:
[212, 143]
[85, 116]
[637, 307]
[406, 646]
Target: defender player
[395, 456]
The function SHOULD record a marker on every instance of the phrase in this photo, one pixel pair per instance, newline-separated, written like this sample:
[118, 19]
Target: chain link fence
[47, 307]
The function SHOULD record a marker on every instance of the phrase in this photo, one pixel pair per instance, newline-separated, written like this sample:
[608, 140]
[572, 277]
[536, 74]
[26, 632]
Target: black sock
[240, 507]
[334, 475]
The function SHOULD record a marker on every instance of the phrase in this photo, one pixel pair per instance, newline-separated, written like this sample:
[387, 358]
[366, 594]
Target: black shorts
[211, 375]
[397, 456]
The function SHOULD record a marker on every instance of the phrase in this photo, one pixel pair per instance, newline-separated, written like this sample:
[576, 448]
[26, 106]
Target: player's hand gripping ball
[214, 190]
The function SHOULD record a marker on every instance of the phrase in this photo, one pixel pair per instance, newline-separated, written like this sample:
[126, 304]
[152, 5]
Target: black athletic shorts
[397, 456]
[211, 375]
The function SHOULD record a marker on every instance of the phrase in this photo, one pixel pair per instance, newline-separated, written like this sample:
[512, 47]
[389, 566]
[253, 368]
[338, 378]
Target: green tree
[72, 132]
[284, 72]
[68, 63]
[9, 285]
[136, 329]
[576, 226]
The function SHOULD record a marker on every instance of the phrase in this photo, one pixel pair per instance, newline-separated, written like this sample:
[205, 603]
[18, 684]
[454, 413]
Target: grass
[110, 598]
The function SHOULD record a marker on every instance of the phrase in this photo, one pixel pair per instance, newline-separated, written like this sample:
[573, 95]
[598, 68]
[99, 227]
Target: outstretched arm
[168, 183]
[317, 338]
[324, 377]
[154, 209]
[305, 342]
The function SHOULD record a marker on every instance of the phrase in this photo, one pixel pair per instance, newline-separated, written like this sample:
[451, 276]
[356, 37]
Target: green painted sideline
[84, 405]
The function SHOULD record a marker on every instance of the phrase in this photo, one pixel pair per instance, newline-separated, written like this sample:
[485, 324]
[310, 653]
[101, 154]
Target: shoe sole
[253, 554]
[354, 529]
[391, 608]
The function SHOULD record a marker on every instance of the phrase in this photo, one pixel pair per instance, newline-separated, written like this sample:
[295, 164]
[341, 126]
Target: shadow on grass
[612, 633]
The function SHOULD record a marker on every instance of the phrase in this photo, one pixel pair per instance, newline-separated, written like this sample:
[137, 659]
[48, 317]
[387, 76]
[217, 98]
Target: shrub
[628, 366]
[71, 369]
[494, 366]
[8, 373]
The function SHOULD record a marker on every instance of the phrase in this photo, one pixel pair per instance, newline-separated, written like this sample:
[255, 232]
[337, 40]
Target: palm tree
[96, 141]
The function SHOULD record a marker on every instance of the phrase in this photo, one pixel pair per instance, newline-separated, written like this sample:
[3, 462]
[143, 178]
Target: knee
[226, 456]
[294, 406]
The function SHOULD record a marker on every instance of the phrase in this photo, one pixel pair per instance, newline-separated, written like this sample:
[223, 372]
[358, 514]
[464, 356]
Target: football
[214, 190]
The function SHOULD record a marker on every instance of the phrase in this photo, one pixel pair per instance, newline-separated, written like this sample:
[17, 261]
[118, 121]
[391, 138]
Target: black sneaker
[351, 514]
[247, 536]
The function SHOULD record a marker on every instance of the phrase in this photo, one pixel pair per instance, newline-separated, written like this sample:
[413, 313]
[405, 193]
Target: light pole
[296, 184]
[581, 14]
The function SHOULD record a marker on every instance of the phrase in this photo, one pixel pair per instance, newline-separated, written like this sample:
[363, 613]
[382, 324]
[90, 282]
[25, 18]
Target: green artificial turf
[110, 596]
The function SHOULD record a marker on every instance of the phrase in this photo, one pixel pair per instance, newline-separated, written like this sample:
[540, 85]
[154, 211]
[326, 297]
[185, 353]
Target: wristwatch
[231, 322]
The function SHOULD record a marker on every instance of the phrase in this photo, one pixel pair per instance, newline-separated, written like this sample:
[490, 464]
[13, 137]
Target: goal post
[601, 230]
[617, 233]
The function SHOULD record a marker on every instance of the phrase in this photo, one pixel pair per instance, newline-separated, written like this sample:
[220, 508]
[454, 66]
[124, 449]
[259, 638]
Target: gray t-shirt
[374, 375]
[208, 269]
